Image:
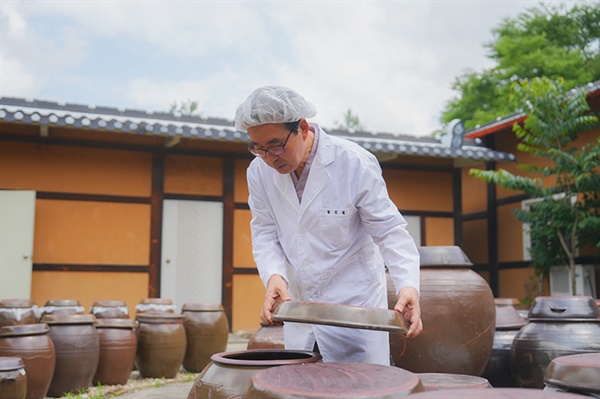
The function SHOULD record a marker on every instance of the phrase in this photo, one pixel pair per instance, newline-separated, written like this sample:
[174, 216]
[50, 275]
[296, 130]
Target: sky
[392, 63]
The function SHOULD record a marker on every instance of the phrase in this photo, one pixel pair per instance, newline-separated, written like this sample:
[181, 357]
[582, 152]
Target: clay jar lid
[157, 301]
[341, 315]
[109, 303]
[160, 318]
[202, 307]
[563, 308]
[437, 381]
[11, 363]
[16, 303]
[115, 323]
[443, 256]
[495, 393]
[24, 329]
[575, 372]
[508, 318]
[64, 318]
[332, 380]
[62, 302]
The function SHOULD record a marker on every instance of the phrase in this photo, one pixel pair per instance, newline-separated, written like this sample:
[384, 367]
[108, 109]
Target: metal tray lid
[341, 316]
[563, 308]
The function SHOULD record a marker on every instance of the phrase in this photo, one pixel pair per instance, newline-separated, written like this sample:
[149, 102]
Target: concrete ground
[180, 390]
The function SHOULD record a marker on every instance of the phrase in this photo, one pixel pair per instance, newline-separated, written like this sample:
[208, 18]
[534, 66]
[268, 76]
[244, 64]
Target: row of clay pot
[25, 311]
[71, 352]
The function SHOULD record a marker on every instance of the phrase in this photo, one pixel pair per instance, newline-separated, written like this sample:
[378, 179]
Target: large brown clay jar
[161, 344]
[108, 309]
[508, 324]
[18, 311]
[13, 379]
[32, 344]
[458, 313]
[118, 346]
[557, 326]
[77, 349]
[228, 373]
[267, 337]
[207, 332]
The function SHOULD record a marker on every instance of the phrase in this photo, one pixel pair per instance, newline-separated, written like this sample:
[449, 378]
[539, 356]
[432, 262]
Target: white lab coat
[332, 246]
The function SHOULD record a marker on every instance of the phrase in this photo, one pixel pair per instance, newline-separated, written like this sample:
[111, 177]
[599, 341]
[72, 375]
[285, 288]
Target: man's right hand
[277, 292]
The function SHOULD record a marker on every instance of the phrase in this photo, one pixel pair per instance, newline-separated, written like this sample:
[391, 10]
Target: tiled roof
[47, 113]
[592, 89]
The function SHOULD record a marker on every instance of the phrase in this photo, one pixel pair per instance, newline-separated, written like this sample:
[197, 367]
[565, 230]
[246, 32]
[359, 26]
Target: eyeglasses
[275, 150]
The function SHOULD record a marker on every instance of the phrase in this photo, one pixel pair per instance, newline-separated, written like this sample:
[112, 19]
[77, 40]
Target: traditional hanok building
[105, 203]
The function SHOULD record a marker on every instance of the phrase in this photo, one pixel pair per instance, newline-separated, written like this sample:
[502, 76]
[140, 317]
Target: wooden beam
[156, 216]
[228, 214]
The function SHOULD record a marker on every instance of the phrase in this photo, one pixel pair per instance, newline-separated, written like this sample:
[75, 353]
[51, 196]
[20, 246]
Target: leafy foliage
[556, 41]
[188, 108]
[567, 215]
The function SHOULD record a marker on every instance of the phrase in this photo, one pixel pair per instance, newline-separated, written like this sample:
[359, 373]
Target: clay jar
[109, 310]
[458, 313]
[267, 337]
[508, 324]
[332, 380]
[228, 373]
[13, 379]
[155, 305]
[557, 326]
[18, 311]
[32, 344]
[207, 332]
[161, 344]
[118, 346]
[77, 349]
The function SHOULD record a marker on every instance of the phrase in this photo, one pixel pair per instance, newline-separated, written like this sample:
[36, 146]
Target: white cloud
[392, 63]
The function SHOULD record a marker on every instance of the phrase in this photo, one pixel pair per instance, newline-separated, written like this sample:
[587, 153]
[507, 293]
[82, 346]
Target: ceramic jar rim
[24, 329]
[236, 358]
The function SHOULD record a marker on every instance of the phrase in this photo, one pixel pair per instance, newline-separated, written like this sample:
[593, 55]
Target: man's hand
[408, 305]
[277, 292]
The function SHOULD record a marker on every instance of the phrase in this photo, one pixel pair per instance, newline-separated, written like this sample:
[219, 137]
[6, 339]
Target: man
[323, 226]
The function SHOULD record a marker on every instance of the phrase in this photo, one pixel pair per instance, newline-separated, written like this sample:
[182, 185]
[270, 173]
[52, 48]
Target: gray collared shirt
[300, 183]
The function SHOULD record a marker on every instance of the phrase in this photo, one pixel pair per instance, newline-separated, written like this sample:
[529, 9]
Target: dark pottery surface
[161, 344]
[496, 393]
[332, 380]
[118, 346]
[559, 326]
[458, 313]
[13, 379]
[207, 331]
[228, 373]
[32, 344]
[577, 373]
[437, 381]
[267, 337]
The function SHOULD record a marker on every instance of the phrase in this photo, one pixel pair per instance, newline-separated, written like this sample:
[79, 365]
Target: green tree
[350, 122]
[553, 41]
[188, 108]
[567, 215]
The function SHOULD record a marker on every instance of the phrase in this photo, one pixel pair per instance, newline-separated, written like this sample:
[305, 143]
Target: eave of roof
[47, 113]
[592, 88]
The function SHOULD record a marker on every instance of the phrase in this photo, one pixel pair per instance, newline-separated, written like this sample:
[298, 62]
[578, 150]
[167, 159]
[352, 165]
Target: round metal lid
[24, 329]
[9, 363]
[341, 315]
[579, 372]
[563, 308]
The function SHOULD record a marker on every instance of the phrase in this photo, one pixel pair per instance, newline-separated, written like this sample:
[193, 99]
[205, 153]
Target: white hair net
[272, 104]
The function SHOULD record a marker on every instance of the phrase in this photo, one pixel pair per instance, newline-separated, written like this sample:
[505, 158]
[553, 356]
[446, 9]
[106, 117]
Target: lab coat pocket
[335, 225]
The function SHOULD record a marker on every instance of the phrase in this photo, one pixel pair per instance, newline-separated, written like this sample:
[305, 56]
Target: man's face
[265, 137]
